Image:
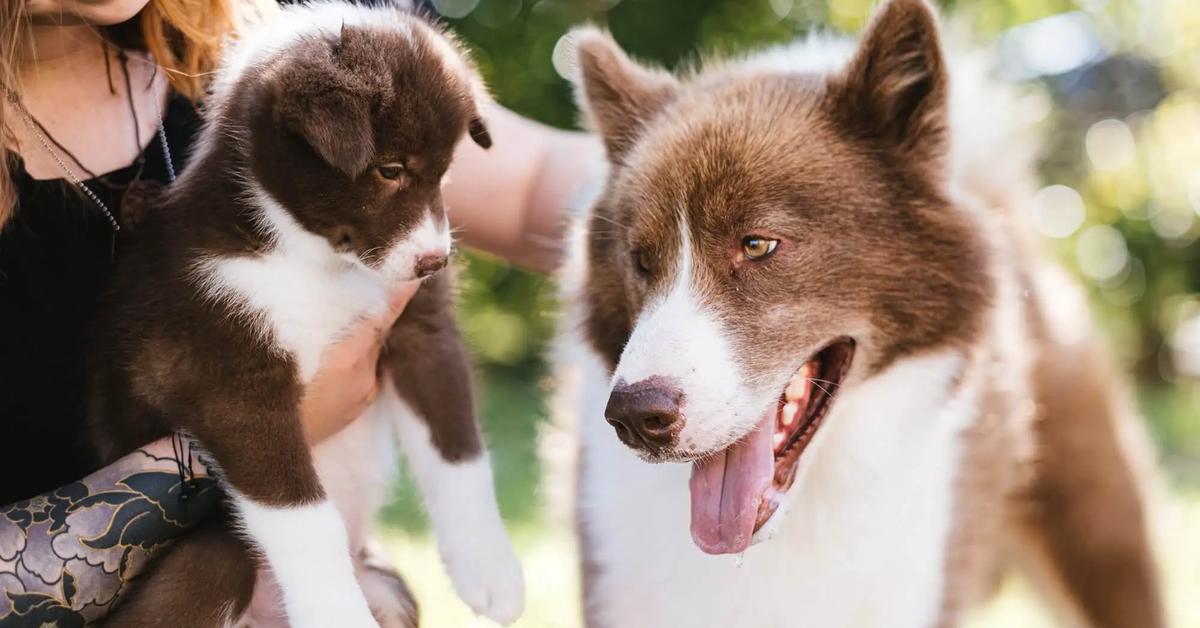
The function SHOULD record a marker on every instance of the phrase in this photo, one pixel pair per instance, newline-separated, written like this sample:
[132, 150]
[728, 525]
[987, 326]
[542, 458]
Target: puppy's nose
[646, 414]
[430, 263]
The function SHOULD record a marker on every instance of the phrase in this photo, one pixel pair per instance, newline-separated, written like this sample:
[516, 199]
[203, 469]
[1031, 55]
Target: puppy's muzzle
[647, 414]
[429, 264]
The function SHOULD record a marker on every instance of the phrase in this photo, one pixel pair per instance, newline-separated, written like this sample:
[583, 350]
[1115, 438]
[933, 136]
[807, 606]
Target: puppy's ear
[895, 89]
[479, 132]
[616, 94]
[330, 107]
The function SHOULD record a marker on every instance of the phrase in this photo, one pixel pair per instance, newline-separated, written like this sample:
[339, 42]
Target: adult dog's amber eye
[757, 247]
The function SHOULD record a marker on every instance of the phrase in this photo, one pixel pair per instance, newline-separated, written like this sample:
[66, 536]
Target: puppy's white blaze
[678, 337]
[307, 551]
[430, 236]
[461, 502]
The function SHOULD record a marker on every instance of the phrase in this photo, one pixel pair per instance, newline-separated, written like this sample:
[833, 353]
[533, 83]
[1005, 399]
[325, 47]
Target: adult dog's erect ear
[895, 88]
[618, 95]
[330, 106]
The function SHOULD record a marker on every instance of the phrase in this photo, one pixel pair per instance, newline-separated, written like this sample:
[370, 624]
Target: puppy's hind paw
[490, 581]
[388, 595]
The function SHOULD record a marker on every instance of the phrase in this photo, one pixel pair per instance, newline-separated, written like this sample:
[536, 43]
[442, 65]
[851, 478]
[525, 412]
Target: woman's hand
[348, 380]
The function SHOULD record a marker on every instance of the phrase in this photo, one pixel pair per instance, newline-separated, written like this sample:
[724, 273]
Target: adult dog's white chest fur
[863, 542]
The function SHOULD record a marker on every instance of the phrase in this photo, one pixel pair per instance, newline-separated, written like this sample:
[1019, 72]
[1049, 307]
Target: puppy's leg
[253, 432]
[305, 544]
[203, 581]
[434, 412]
[357, 466]
[1084, 519]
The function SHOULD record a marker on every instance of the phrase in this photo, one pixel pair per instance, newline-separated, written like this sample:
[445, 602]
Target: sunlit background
[1114, 89]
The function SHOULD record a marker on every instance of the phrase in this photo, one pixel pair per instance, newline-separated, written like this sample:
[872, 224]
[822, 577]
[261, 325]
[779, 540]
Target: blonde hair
[184, 36]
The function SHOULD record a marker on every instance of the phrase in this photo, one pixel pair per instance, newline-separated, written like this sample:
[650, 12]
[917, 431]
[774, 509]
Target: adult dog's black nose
[429, 264]
[646, 414]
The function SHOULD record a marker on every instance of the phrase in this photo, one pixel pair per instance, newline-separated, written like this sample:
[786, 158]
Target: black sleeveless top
[56, 255]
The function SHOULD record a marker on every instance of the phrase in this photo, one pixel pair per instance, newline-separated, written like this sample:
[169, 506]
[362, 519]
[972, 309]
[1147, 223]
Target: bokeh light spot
[1172, 224]
[1194, 190]
[1110, 145]
[1185, 347]
[564, 59]
[1058, 211]
[1101, 252]
[497, 13]
[1051, 46]
[782, 7]
[455, 9]
[1131, 287]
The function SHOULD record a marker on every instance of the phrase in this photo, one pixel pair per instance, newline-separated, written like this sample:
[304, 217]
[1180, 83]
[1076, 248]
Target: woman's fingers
[366, 339]
[348, 379]
[397, 300]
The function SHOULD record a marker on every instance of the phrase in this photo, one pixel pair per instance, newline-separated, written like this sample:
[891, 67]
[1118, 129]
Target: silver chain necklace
[36, 131]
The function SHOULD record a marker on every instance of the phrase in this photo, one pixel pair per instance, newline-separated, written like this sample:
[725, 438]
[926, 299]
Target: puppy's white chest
[300, 305]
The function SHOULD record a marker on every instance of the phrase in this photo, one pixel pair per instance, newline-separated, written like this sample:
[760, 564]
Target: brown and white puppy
[856, 380]
[316, 187]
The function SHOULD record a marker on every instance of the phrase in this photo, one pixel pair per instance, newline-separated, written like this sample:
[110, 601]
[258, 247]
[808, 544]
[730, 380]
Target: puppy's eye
[757, 247]
[393, 172]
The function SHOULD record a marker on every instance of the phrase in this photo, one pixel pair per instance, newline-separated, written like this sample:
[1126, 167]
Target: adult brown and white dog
[316, 187]
[841, 382]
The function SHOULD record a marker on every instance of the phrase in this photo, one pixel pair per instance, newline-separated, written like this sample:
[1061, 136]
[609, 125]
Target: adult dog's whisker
[823, 389]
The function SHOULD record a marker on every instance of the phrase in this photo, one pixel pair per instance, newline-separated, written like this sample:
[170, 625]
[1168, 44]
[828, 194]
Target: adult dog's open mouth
[737, 490]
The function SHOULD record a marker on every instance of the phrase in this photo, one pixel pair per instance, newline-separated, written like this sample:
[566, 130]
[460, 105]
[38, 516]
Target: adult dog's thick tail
[1084, 521]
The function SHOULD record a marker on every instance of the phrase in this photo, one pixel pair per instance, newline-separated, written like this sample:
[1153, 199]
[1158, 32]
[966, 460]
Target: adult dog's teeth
[788, 414]
[779, 438]
[798, 388]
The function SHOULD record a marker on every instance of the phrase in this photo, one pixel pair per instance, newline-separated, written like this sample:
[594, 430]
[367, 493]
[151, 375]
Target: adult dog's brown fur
[850, 172]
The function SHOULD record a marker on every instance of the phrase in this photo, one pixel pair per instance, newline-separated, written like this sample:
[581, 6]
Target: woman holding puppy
[98, 106]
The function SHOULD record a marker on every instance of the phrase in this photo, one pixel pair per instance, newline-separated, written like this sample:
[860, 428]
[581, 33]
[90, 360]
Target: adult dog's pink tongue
[727, 489]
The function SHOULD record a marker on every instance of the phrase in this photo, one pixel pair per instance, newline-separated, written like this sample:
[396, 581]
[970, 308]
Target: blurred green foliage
[1121, 132]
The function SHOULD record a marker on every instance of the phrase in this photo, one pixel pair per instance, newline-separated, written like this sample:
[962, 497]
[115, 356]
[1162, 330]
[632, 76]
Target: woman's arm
[65, 555]
[512, 200]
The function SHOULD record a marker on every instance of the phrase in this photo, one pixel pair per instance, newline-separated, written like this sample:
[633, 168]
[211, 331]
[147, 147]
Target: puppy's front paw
[487, 576]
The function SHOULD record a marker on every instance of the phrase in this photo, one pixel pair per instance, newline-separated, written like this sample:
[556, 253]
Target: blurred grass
[1173, 417]
[514, 409]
